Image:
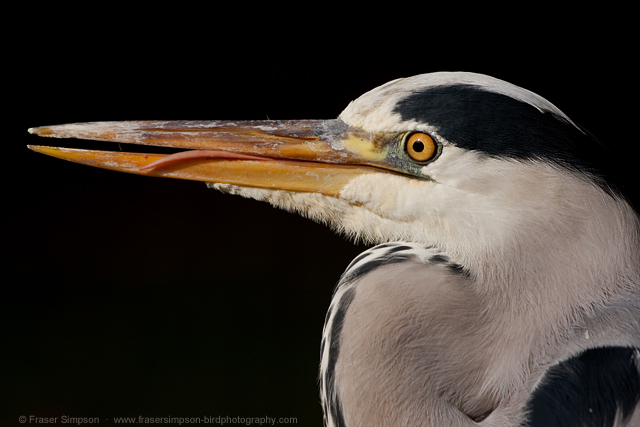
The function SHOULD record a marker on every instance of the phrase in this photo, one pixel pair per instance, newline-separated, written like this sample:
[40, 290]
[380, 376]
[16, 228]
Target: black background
[128, 296]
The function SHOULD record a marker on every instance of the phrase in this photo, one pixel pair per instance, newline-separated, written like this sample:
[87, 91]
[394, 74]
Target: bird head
[462, 161]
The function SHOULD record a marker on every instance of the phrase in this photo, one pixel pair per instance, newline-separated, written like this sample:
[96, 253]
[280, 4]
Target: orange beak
[319, 156]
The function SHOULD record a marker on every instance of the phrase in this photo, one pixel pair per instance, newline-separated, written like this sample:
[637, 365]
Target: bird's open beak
[310, 155]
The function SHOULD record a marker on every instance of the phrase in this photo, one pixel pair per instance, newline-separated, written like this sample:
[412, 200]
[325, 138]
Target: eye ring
[420, 147]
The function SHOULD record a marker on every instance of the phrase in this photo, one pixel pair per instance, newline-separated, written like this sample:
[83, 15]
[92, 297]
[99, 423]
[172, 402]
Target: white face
[470, 203]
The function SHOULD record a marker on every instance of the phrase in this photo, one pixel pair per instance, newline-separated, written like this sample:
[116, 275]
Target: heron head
[427, 158]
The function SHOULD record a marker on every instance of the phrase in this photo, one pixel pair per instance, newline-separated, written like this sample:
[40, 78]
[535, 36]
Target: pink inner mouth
[199, 154]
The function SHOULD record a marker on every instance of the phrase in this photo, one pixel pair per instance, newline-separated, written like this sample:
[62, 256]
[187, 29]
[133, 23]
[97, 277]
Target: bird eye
[420, 147]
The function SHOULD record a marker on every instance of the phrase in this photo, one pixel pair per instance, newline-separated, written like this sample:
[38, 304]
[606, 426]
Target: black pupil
[418, 146]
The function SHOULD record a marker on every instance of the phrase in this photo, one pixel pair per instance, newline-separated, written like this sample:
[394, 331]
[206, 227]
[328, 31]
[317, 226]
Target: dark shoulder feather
[588, 390]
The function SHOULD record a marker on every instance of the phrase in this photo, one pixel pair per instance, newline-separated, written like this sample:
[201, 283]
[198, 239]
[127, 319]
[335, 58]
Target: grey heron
[504, 289]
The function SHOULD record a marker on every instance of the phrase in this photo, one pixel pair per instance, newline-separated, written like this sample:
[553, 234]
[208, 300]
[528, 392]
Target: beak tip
[36, 148]
[40, 131]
